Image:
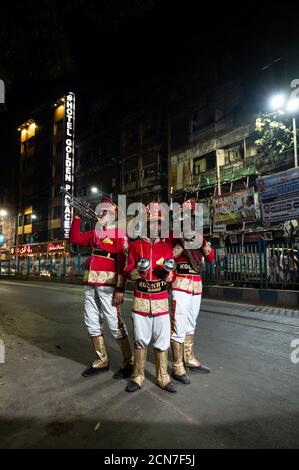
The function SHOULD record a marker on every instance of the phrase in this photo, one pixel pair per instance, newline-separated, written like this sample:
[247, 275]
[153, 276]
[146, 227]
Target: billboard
[235, 207]
[279, 195]
[68, 164]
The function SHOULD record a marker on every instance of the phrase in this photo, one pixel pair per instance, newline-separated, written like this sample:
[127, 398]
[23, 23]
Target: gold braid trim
[100, 277]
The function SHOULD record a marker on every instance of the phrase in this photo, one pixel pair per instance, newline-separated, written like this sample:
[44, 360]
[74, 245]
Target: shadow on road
[80, 433]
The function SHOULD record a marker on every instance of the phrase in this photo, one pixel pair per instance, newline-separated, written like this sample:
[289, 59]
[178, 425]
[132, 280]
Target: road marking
[16, 283]
[251, 323]
[244, 317]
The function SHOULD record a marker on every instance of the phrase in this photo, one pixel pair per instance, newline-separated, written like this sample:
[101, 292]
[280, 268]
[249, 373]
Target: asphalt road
[249, 400]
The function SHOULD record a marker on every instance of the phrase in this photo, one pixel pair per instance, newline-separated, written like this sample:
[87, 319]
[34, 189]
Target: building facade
[46, 156]
[213, 156]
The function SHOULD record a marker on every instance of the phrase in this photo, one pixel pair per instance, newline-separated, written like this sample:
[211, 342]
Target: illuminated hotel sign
[56, 246]
[24, 250]
[39, 248]
[68, 166]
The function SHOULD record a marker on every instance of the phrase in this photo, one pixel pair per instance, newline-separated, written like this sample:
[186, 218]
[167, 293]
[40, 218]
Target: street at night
[149, 232]
[249, 400]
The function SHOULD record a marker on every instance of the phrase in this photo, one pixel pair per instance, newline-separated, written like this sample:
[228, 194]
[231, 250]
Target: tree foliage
[273, 135]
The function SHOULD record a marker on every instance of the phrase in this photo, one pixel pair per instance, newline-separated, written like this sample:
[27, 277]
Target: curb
[272, 297]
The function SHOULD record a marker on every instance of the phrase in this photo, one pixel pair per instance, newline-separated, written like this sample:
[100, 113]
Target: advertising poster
[279, 195]
[235, 207]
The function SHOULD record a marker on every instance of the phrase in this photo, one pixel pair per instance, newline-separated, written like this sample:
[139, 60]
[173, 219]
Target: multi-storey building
[46, 146]
[212, 155]
[124, 147]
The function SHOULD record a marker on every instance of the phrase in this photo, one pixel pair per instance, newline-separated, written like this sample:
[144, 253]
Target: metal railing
[265, 264]
[44, 266]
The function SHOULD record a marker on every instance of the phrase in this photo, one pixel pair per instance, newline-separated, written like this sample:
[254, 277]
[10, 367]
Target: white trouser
[97, 306]
[146, 328]
[185, 314]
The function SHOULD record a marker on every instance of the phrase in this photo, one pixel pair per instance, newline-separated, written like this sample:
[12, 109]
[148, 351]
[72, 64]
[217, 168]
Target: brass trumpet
[82, 208]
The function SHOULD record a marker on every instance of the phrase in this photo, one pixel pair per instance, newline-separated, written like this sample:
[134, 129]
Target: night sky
[163, 40]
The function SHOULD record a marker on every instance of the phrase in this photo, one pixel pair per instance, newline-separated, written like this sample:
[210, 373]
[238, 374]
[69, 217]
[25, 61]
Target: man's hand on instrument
[136, 274]
[118, 298]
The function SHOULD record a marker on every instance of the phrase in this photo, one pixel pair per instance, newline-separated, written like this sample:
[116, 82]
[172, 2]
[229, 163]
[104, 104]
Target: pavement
[249, 400]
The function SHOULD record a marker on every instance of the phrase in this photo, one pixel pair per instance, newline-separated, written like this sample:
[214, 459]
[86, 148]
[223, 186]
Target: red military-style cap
[107, 204]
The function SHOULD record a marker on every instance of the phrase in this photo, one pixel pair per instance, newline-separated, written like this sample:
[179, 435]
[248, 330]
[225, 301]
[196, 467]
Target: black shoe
[184, 379]
[200, 369]
[132, 387]
[91, 371]
[170, 388]
[124, 373]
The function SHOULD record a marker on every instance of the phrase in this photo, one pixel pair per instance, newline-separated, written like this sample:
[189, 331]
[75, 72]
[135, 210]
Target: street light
[33, 216]
[3, 213]
[94, 190]
[277, 102]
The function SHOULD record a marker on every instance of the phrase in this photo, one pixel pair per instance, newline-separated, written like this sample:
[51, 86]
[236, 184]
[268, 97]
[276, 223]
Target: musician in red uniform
[151, 304]
[186, 300]
[104, 286]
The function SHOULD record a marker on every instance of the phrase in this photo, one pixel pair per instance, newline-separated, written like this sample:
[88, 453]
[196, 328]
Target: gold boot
[178, 369]
[137, 378]
[100, 364]
[161, 363]
[190, 360]
[99, 347]
[127, 367]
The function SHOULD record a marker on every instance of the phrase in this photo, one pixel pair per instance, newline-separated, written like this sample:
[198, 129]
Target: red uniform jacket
[188, 280]
[109, 249]
[151, 291]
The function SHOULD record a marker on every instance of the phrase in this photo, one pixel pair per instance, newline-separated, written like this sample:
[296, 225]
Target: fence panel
[270, 265]
[264, 264]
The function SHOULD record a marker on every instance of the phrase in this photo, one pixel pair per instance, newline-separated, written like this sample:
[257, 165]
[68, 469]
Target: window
[200, 166]
[206, 163]
[27, 147]
[150, 171]
[130, 176]
[27, 219]
[232, 155]
[20, 220]
[58, 128]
